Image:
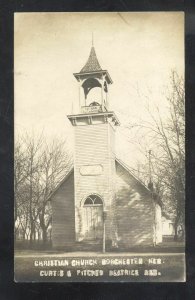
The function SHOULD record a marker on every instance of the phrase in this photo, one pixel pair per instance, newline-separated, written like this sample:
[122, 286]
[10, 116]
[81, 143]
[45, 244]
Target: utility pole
[104, 231]
[149, 161]
[150, 184]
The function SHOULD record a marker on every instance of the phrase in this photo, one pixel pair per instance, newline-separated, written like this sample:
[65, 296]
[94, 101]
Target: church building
[100, 199]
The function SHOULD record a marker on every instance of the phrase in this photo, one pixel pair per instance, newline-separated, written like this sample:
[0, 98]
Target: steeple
[92, 68]
[94, 156]
[92, 64]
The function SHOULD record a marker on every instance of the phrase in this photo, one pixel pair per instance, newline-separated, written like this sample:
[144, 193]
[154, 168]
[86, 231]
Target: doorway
[93, 218]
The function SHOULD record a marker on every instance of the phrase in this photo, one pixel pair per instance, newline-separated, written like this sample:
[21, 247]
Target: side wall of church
[135, 211]
[63, 214]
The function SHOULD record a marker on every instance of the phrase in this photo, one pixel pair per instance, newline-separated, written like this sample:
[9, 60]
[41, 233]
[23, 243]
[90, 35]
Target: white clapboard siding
[94, 145]
[63, 214]
[134, 210]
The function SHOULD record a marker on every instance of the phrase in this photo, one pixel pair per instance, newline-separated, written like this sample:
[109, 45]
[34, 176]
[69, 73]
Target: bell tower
[94, 155]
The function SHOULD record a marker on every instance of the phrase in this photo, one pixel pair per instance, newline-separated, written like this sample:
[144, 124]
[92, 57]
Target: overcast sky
[138, 49]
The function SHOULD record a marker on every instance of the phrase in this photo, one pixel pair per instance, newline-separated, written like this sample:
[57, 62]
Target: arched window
[93, 200]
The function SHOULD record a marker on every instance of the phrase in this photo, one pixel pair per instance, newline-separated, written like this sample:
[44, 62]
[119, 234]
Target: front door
[93, 218]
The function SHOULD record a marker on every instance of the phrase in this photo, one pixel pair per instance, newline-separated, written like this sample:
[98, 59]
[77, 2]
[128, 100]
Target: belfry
[100, 199]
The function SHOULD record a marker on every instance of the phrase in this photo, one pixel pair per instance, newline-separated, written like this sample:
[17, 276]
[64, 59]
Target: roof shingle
[92, 64]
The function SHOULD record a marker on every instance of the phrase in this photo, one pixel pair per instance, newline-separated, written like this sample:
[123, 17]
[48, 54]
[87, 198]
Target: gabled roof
[165, 216]
[122, 164]
[60, 183]
[116, 160]
[92, 64]
[153, 195]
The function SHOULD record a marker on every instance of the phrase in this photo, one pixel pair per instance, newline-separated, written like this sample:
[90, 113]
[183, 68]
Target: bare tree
[165, 136]
[55, 164]
[39, 167]
[20, 177]
[32, 147]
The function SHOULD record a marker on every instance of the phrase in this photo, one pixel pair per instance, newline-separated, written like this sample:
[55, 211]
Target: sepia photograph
[99, 147]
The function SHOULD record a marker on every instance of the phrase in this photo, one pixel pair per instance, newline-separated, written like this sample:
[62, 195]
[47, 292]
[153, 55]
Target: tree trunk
[44, 230]
[176, 226]
[32, 230]
[15, 233]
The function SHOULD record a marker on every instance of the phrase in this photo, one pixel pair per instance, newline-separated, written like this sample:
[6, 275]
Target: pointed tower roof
[92, 68]
[92, 64]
